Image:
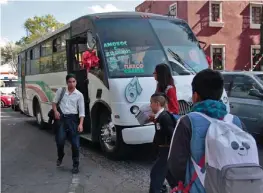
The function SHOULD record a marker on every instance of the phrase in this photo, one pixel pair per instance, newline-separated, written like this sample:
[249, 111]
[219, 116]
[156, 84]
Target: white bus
[129, 45]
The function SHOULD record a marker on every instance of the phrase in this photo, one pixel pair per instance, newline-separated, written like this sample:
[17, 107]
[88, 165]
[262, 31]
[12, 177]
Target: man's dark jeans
[68, 129]
[160, 171]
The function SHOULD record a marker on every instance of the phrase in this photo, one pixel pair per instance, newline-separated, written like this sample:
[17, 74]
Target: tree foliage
[9, 54]
[38, 26]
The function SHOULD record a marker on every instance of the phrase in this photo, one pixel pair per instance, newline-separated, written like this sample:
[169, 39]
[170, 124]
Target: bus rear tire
[39, 119]
[110, 139]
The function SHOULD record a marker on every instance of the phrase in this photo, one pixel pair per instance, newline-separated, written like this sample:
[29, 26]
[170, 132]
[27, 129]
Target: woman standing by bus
[165, 84]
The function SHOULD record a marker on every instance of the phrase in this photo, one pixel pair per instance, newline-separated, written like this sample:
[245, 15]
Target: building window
[173, 10]
[255, 15]
[217, 53]
[255, 56]
[215, 14]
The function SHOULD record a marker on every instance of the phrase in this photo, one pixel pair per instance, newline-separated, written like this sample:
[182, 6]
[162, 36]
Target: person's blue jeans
[159, 171]
[68, 129]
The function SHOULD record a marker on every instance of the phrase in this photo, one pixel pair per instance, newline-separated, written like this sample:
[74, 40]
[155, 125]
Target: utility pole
[261, 41]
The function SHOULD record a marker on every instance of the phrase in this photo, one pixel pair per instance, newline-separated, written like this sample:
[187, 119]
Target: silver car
[245, 92]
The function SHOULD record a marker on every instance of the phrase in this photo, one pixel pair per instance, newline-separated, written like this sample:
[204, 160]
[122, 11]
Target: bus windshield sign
[135, 46]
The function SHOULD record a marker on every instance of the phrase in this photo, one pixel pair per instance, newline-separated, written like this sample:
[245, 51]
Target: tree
[38, 26]
[9, 54]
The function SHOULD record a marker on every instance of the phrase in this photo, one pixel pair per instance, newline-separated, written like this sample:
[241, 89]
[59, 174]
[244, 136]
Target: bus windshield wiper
[179, 59]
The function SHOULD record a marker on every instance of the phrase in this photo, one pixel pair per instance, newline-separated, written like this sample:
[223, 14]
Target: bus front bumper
[138, 135]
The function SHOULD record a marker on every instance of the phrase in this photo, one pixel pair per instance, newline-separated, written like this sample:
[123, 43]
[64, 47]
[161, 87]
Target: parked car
[245, 92]
[15, 102]
[6, 100]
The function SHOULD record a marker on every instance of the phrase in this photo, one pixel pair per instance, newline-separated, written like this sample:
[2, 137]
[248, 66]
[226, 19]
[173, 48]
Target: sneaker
[59, 162]
[164, 189]
[75, 170]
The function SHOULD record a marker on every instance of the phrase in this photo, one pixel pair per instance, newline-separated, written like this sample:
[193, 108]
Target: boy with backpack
[210, 153]
[164, 127]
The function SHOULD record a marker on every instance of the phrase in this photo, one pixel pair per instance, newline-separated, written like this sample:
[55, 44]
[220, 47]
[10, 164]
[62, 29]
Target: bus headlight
[134, 109]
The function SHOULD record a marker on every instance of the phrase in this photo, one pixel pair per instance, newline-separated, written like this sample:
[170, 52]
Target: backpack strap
[186, 189]
[198, 170]
[63, 91]
[229, 118]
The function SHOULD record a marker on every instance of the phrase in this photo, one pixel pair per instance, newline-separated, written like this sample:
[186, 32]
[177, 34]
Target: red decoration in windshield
[89, 59]
[209, 60]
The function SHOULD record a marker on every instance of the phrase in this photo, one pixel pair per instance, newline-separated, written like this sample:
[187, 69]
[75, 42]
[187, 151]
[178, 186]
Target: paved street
[28, 164]
[29, 159]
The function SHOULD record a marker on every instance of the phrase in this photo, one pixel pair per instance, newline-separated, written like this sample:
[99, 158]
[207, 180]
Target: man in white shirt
[70, 116]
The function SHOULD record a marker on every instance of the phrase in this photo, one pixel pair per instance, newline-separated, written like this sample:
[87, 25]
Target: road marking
[74, 184]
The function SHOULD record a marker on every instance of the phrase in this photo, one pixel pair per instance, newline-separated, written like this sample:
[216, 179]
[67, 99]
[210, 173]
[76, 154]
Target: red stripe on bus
[42, 95]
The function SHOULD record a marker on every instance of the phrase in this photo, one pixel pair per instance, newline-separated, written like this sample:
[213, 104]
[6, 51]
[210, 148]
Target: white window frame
[219, 23]
[251, 51]
[223, 46]
[251, 5]
[170, 6]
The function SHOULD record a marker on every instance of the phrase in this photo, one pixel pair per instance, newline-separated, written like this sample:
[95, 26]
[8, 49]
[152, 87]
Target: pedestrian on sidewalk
[69, 115]
[164, 127]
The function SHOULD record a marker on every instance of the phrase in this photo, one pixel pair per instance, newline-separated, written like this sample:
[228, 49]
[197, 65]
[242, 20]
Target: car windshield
[10, 83]
[133, 47]
[259, 77]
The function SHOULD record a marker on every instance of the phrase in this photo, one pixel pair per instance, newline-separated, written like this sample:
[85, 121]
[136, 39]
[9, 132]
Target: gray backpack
[231, 159]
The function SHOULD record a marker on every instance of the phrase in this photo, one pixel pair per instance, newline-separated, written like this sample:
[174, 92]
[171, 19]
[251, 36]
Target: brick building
[231, 29]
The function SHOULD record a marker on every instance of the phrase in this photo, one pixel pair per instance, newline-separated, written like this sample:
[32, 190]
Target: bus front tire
[110, 139]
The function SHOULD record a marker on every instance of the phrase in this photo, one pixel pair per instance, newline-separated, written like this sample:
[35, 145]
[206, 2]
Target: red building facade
[231, 29]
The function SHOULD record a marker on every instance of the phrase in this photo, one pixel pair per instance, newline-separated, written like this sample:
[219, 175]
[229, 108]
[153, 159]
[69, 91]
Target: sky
[14, 13]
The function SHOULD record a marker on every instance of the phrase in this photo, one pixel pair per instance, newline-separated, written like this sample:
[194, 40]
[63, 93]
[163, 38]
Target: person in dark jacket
[188, 138]
[164, 127]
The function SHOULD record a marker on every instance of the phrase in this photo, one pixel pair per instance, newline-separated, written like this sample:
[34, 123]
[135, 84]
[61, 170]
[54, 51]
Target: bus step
[86, 136]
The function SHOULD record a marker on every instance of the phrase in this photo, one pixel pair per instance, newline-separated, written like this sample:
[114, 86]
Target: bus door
[23, 83]
[75, 47]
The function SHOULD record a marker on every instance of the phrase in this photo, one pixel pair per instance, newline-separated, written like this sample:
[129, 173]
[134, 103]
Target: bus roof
[126, 14]
[94, 16]
[47, 36]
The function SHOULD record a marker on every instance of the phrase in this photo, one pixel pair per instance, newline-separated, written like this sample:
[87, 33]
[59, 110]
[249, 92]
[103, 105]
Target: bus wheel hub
[108, 134]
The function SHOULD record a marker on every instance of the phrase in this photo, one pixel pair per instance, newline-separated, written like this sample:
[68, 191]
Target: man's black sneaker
[75, 170]
[59, 162]
[164, 189]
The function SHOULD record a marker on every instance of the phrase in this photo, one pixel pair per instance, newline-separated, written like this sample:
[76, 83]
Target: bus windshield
[133, 47]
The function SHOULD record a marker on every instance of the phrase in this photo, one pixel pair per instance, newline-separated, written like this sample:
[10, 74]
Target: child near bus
[164, 127]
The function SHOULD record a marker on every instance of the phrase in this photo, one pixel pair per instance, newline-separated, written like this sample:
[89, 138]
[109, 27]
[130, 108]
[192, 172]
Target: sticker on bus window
[110, 53]
[115, 44]
[133, 68]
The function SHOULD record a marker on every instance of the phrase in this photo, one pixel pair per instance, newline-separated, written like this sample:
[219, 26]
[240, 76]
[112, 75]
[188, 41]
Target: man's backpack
[230, 163]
